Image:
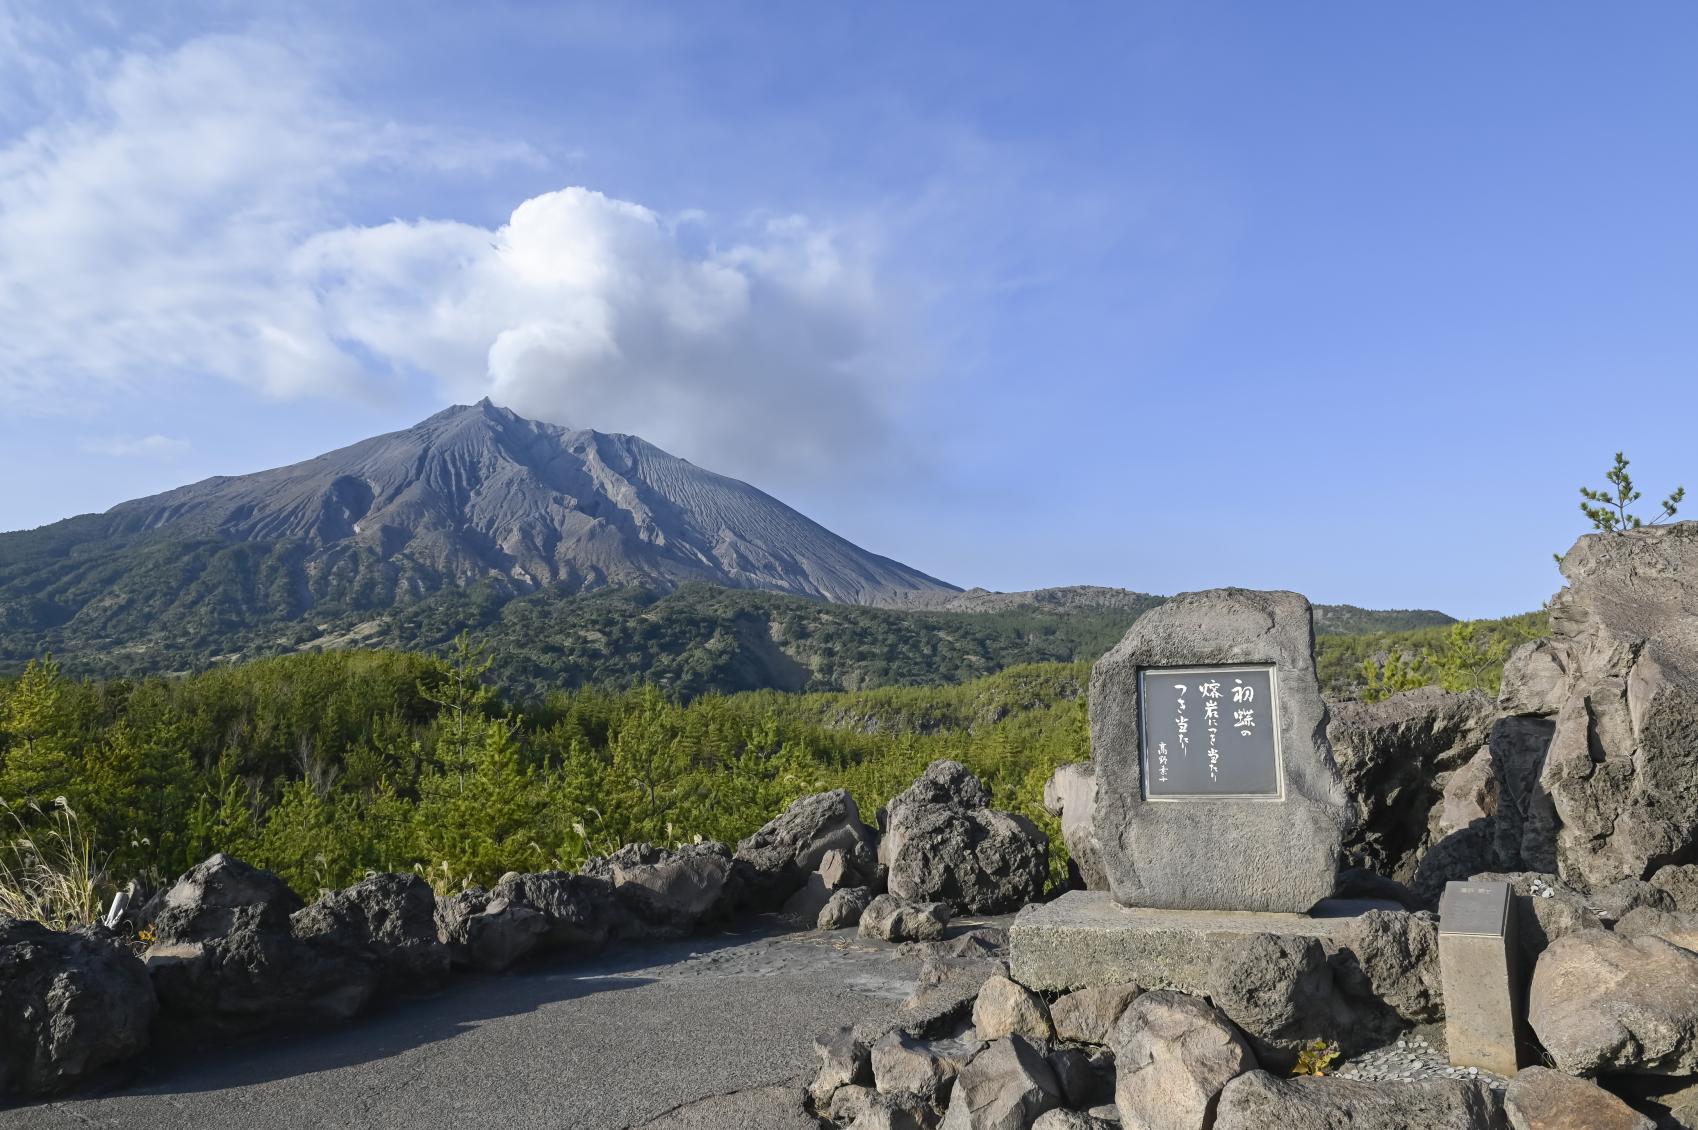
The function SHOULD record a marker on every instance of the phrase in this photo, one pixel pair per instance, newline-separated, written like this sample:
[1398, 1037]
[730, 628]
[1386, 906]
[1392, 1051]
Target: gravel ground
[1410, 1060]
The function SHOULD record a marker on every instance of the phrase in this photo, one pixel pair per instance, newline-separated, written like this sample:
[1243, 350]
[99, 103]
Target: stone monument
[1477, 963]
[1217, 789]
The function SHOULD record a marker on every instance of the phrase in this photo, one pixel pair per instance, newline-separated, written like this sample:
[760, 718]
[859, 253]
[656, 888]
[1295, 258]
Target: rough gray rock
[486, 932]
[1007, 1008]
[387, 921]
[1258, 1101]
[845, 1061]
[672, 892]
[1070, 795]
[904, 1065]
[805, 905]
[1625, 896]
[1394, 756]
[1283, 992]
[843, 871]
[1086, 1078]
[900, 1111]
[70, 1005]
[793, 845]
[1680, 882]
[580, 912]
[1605, 1003]
[1262, 855]
[844, 908]
[1545, 910]
[1005, 1087]
[1620, 676]
[944, 843]
[226, 958]
[1173, 1054]
[1676, 929]
[1087, 1016]
[1541, 1099]
[1494, 815]
[900, 920]
[1397, 954]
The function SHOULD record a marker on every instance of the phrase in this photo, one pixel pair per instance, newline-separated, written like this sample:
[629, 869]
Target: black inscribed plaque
[1474, 908]
[1209, 732]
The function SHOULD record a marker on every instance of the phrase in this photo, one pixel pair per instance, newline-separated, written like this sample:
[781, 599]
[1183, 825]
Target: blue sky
[1337, 297]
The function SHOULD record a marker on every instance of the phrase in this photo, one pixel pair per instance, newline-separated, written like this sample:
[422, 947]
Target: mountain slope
[475, 493]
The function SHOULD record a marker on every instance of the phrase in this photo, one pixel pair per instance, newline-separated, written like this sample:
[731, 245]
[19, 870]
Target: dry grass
[48, 869]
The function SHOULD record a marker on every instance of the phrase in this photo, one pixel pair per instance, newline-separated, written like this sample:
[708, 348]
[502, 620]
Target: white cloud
[148, 446]
[189, 222]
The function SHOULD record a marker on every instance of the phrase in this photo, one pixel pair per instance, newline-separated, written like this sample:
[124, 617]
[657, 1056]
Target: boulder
[1005, 1087]
[1258, 1101]
[485, 932]
[897, 919]
[1397, 955]
[226, 958]
[1541, 1099]
[844, 908]
[947, 990]
[1270, 856]
[944, 843]
[1680, 882]
[844, 1061]
[1173, 1054]
[810, 898]
[1070, 795]
[580, 913]
[904, 1065]
[842, 870]
[672, 892]
[1620, 677]
[70, 1005]
[794, 844]
[1087, 1016]
[1069, 1120]
[1394, 756]
[900, 1111]
[1282, 991]
[1601, 1002]
[1007, 1008]
[387, 921]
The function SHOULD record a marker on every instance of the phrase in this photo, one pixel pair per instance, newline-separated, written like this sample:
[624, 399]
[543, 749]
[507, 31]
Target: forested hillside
[324, 766]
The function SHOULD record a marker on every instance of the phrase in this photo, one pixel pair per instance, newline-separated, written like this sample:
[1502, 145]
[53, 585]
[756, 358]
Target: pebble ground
[1412, 1059]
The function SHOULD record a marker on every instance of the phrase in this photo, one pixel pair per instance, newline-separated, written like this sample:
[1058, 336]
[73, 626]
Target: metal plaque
[1476, 909]
[1210, 733]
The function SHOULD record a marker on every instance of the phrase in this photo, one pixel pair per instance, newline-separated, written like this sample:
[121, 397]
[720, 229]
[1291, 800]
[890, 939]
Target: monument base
[1085, 939]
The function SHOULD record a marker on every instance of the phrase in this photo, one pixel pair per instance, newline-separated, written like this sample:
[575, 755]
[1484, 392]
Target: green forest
[323, 766]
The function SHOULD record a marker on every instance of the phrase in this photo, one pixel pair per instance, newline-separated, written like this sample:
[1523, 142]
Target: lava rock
[71, 1004]
[897, 919]
[1173, 1054]
[1007, 1008]
[844, 908]
[387, 921]
[1087, 1016]
[1005, 1087]
[1601, 1002]
[1541, 1099]
[944, 843]
[1070, 795]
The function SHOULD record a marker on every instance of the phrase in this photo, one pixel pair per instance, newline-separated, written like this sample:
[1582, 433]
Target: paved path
[692, 1035]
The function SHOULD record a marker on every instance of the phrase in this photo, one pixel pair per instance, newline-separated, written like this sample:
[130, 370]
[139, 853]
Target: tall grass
[48, 869]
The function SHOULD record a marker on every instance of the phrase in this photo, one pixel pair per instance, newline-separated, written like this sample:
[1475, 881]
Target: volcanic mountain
[474, 493]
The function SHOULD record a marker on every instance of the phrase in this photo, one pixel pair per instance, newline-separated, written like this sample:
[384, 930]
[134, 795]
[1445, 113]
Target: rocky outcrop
[70, 1005]
[1173, 1054]
[1395, 757]
[1070, 795]
[1541, 1099]
[1605, 1003]
[1619, 675]
[944, 843]
[579, 912]
[1258, 1101]
[896, 919]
